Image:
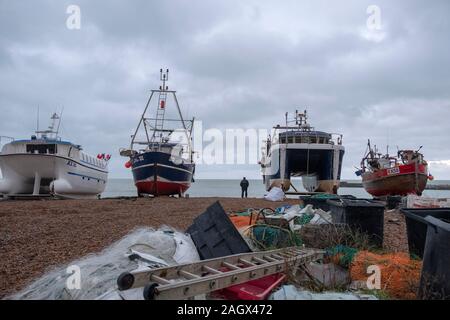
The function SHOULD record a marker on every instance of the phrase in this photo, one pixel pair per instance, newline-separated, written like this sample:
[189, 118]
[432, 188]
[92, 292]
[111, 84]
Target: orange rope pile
[400, 276]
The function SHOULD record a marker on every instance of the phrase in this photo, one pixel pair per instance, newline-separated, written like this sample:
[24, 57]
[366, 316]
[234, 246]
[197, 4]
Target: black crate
[417, 226]
[215, 236]
[435, 278]
[321, 203]
[362, 215]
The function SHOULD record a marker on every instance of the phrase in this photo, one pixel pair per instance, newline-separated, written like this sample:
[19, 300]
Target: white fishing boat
[296, 149]
[45, 165]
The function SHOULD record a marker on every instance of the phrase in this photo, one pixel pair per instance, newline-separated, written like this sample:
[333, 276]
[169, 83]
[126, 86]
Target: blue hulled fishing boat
[161, 155]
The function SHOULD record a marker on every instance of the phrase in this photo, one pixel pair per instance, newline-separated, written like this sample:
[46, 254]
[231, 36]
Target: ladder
[160, 112]
[188, 280]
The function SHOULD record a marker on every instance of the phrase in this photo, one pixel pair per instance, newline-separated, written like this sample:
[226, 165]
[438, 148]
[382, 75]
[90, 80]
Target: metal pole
[140, 122]
[182, 120]
[59, 123]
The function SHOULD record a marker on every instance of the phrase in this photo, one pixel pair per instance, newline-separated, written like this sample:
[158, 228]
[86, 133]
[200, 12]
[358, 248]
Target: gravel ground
[395, 236]
[36, 236]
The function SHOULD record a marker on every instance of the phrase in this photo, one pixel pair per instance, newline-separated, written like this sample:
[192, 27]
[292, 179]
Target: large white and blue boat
[297, 150]
[160, 154]
[45, 165]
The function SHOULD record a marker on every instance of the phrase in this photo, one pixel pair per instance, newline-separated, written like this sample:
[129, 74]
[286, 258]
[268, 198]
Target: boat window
[290, 140]
[42, 148]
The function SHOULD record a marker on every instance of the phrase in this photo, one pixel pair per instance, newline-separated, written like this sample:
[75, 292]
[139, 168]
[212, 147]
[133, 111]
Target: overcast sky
[235, 64]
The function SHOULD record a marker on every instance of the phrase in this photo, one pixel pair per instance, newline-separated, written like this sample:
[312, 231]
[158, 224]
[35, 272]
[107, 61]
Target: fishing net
[400, 275]
[268, 237]
[341, 255]
[304, 219]
[143, 248]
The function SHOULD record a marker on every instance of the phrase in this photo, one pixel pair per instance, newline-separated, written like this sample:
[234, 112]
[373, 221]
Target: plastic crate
[259, 289]
[417, 226]
[319, 202]
[360, 214]
[435, 278]
[215, 236]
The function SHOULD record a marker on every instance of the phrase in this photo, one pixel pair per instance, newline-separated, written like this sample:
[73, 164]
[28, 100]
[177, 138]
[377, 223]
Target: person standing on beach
[244, 187]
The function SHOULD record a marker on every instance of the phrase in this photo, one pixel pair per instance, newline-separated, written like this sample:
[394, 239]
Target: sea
[231, 189]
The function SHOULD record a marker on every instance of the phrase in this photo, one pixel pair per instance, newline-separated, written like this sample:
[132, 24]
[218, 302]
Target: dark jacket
[244, 184]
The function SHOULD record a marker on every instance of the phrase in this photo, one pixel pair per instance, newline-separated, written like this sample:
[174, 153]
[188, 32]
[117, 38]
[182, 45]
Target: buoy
[128, 164]
[430, 177]
[99, 156]
[107, 157]
[163, 104]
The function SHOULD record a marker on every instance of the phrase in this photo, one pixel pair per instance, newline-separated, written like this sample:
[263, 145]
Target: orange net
[400, 276]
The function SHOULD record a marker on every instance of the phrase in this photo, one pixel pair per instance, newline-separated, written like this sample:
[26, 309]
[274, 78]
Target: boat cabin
[57, 147]
[305, 137]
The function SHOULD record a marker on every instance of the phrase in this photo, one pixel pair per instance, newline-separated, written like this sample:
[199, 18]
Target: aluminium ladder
[188, 280]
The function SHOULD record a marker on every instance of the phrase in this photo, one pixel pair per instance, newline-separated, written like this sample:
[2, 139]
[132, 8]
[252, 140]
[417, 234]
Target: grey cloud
[234, 64]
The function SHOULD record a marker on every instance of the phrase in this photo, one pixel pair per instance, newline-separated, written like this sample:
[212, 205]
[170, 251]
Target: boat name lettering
[71, 163]
[391, 171]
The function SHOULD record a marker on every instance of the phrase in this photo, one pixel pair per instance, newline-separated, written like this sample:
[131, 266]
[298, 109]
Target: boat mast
[50, 133]
[161, 109]
[156, 124]
[59, 122]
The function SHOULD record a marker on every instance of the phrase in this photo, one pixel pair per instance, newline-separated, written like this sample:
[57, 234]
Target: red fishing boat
[384, 175]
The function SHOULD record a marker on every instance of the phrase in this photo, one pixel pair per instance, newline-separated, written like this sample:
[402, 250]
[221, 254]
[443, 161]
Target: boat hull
[44, 174]
[159, 174]
[319, 165]
[399, 181]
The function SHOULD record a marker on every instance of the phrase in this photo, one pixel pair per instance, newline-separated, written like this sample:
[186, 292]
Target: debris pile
[97, 273]
[417, 202]
[275, 194]
[251, 254]
[291, 292]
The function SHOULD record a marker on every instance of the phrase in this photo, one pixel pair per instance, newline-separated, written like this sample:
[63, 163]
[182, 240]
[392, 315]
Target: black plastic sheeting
[417, 226]
[360, 214]
[215, 236]
[435, 278]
